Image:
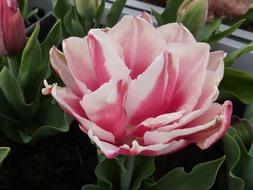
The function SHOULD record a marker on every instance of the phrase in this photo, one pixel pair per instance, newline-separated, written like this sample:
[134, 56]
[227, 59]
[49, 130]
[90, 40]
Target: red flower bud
[12, 28]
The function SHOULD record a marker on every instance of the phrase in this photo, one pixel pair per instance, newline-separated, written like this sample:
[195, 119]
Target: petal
[216, 63]
[111, 151]
[175, 32]
[157, 122]
[210, 91]
[191, 77]
[105, 107]
[148, 94]
[144, 45]
[144, 15]
[206, 138]
[204, 130]
[106, 56]
[78, 58]
[70, 103]
[59, 65]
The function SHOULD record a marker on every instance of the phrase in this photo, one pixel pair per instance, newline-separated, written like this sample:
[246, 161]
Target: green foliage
[238, 148]
[115, 12]
[231, 58]
[248, 113]
[25, 114]
[169, 14]
[201, 177]
[239, 84]
[208, 30]
[26, 13]
[4, 151]
[80, 18]
[218, 36]
[124, 173]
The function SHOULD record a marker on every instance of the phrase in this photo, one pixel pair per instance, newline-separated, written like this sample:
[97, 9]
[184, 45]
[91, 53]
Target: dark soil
[65, 161]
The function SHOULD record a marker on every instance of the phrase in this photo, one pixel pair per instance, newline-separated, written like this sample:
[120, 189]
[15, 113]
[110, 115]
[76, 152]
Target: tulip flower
[12, 28]
[136, 89]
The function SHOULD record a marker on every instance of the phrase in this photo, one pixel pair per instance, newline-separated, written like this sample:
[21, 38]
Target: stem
[126, 177]
[12, 65]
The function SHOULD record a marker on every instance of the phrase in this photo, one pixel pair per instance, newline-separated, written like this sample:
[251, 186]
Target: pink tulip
[12, 28]
[136, 89]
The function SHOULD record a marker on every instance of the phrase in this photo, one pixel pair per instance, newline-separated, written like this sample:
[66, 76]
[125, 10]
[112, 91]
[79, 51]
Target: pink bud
[12, 28]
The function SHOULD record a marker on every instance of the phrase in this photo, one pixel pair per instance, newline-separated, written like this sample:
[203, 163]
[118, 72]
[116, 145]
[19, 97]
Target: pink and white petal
[144, 15]
[192, 72]
[152, 150]
[144, 45]
[206, 138]
[77, 54]
[70, 103]
[210, 91]
[108, 149]
[156, 137]
[175, 32]
[157, 122]
[105, 107]
[216, 63]
[106, 56]
[162, 149]
[203, 128]
[59, 65]
[147, 95]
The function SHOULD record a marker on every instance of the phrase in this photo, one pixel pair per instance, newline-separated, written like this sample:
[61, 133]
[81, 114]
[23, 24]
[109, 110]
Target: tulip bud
[87, 8]
[12, 28]
[193, 14]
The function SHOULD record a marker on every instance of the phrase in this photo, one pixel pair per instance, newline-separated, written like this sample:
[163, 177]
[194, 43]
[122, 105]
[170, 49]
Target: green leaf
[12, 92]
[99, 14]
[32, 70]
[143, 168]
[115, 173]
[208, 29]
[60, 8]
[225, 33]
[23, 6]
[239, 84]
[240, 160]
[53, 38]
[4, 151]
[32, 13]
[48, 121]
[158, 17]
[115, 12]
[244, 130]
[72, 24]
[201, 177]
[232, 152]
[170, 12]
[248, 113]
[231, 58]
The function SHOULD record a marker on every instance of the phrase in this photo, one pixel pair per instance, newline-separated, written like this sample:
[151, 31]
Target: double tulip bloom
[12, 28]
[135, 89]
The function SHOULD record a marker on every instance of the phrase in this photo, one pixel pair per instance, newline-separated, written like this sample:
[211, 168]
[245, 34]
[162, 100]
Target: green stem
[126, 177]
[12, 65]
